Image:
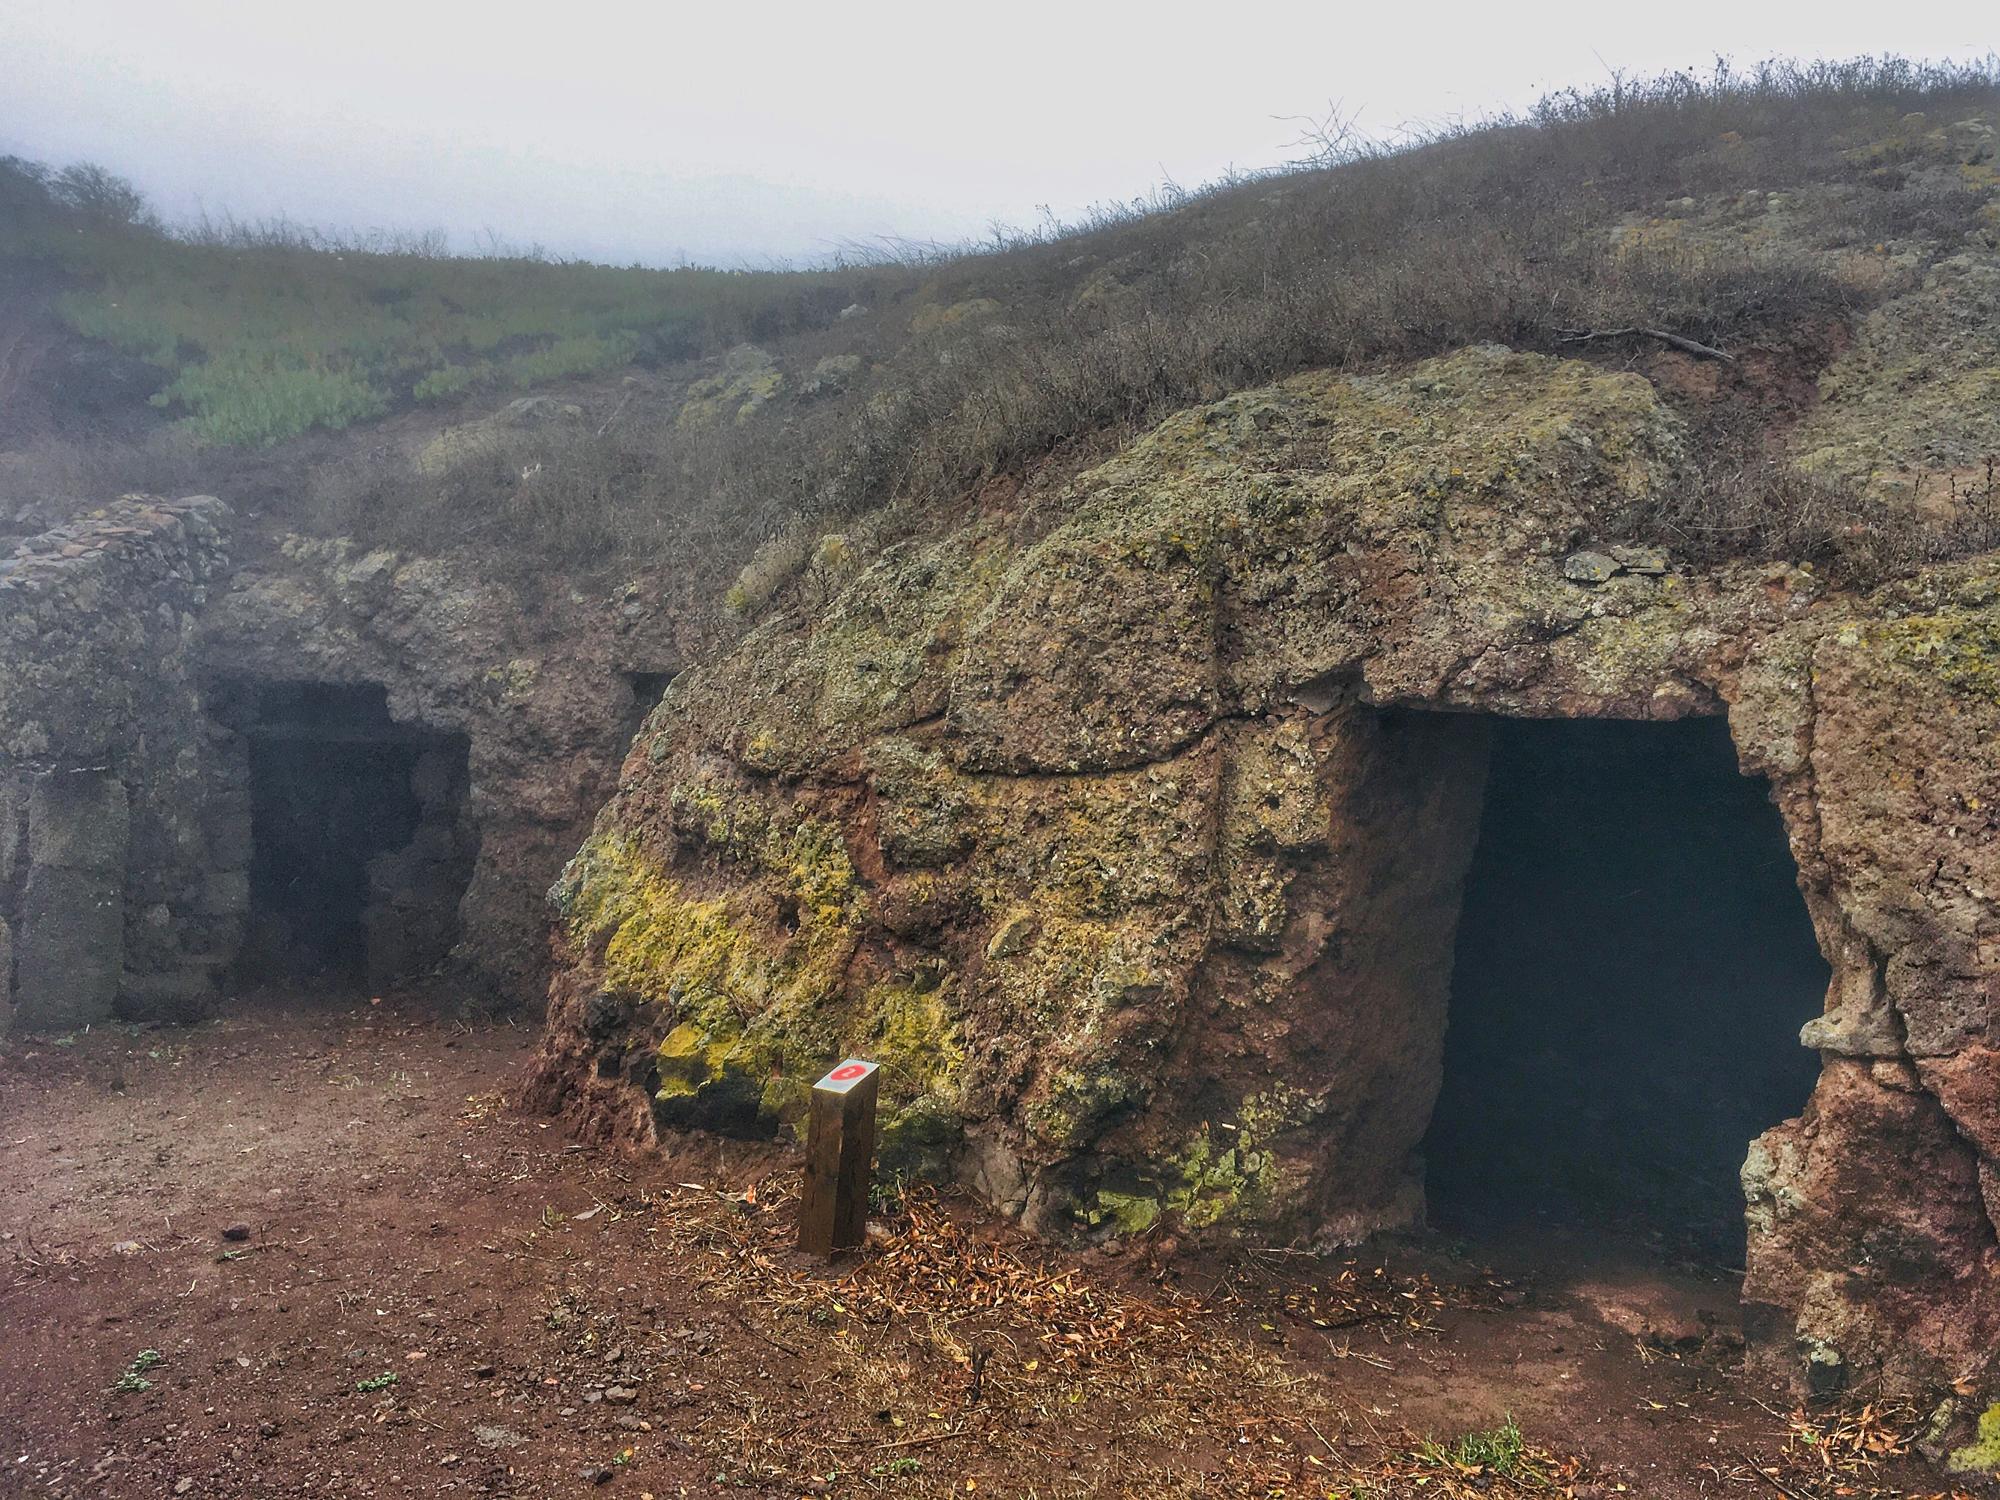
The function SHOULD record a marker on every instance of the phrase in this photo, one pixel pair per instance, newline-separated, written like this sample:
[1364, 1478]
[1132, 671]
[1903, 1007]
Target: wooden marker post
[840, 1158]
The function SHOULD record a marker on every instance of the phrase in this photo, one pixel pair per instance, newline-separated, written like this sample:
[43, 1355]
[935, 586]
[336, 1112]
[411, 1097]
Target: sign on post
[840, 1158]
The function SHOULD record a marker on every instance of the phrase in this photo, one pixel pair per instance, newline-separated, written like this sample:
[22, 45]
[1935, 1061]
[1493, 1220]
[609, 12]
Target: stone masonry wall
[116, 891]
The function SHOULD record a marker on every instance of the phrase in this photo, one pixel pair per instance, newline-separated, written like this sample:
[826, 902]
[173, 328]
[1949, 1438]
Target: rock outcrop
[1126, 826]
[133, 655]
[546, 685]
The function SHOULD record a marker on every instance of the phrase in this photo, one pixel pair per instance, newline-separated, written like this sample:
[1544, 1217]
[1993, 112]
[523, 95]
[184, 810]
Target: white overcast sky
[739, 131]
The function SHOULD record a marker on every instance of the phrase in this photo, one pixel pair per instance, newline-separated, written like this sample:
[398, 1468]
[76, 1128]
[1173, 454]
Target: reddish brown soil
[559, 1319]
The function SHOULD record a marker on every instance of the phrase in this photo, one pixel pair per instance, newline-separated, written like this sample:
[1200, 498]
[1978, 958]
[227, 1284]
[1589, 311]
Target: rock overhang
[1110, 792]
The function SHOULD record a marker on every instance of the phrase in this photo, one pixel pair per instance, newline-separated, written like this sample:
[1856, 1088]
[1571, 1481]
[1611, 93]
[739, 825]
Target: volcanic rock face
[542, 688]
[1124, 828]
[138, 669]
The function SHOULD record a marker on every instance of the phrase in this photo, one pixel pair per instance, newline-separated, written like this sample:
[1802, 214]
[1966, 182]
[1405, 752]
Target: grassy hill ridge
[1766, 215]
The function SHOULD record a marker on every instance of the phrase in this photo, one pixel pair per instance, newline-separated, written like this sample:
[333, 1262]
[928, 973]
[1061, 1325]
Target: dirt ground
[309, 1249]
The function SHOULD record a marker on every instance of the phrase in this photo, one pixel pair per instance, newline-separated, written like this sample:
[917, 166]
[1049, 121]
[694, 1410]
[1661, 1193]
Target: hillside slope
[1771, 216]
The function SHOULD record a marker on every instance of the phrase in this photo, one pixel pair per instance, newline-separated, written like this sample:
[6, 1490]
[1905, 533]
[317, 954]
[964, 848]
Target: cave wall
[126, 828]
[1632, 965]
[1872, 1216]
[120, 889]
[1077, 814]
[534, 673]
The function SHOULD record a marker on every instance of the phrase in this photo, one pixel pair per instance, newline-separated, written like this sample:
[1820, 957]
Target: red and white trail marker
[840, 1158]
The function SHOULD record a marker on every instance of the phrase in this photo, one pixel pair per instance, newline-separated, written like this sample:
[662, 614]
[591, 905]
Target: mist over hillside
[915, 375]
[1344, 822]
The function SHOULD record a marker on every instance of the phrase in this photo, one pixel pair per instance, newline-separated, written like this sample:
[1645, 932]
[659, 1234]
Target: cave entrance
[1633, 964]
[360, 846]
[647, 689]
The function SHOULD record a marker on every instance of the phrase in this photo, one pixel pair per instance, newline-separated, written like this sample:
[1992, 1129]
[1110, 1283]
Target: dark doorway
[359, 845]
[1634, 962]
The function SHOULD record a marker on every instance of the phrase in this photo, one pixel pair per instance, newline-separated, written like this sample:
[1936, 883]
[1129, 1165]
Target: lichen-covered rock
[742, 387]
[1116, 824]
[935, 316]
[470, 440]
[835, 372]
[1913, 410]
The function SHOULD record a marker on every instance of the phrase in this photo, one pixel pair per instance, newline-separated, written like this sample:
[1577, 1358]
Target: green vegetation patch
[268, 342]
[1982, 1454]
[134, 1377]
[1500, 1451]
[266, 333]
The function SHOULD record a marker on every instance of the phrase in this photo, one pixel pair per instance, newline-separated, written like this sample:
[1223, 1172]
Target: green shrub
[249, 401]
[451, 380]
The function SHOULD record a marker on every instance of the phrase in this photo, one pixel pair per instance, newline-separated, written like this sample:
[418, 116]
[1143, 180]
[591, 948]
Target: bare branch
[1672, 340]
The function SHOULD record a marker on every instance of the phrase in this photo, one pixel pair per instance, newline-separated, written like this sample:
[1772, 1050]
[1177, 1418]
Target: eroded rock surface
[113, 895]
[1127, 828]
[545, 684]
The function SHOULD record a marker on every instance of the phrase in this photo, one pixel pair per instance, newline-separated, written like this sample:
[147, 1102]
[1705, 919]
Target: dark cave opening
[1633, 964]
[360, 848]
[646, 688]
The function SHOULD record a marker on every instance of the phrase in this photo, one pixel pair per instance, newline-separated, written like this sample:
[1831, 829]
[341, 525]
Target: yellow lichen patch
[748, 1003]
[912, 1035]
[748, 379]
[1051, 978]
[694, 1059]
[657, 943]
[908, 1027]
[1961, 649]
[1611, 652]
[1224, 1172]
[714, 813]
[759, 1012]
[934, 316]
[513, 683]
[1071, 1105]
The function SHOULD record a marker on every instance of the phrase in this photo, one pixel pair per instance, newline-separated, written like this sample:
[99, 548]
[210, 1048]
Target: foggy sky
[741, 133]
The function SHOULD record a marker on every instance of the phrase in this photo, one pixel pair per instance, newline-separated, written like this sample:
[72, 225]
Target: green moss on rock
[1223, 1173]
[1982, 1454]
